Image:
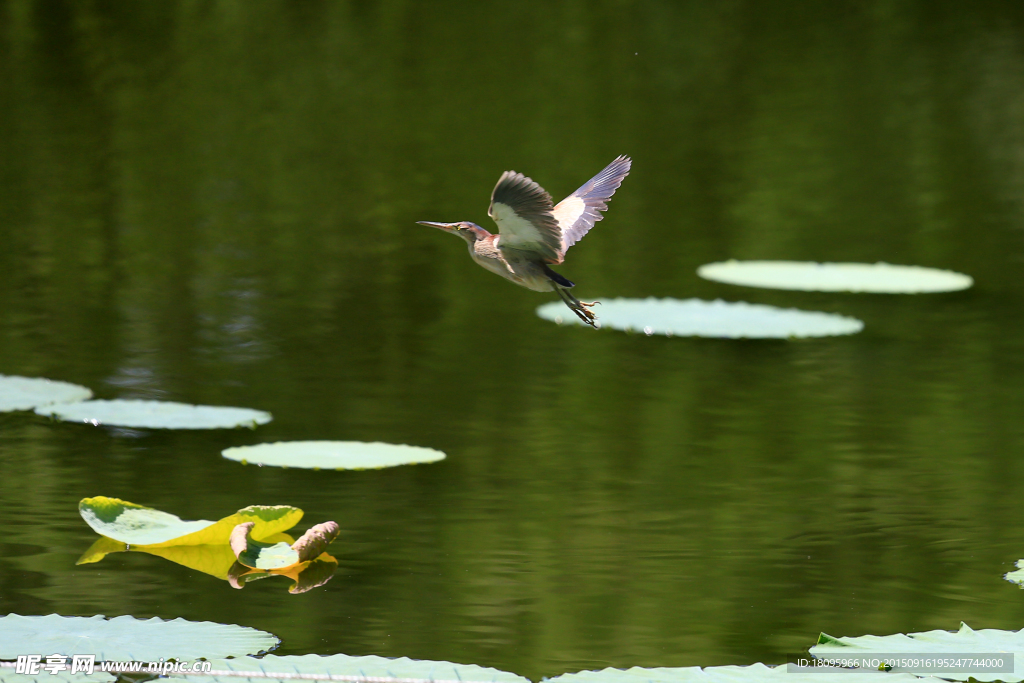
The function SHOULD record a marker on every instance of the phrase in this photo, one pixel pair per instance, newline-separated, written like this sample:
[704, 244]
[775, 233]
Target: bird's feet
[580, 308]
[583, 312]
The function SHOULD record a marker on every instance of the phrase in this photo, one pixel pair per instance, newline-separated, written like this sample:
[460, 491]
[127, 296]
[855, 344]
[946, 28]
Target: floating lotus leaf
[344, 665]
[880, 278]
[128, 638]
[252, 553]
[214, 559]
[138, 525]
[754, 673]
[964, 641]
[26, 393]
[332, 455]
[257, 555]
[8, 675]
[155, 414]
[1017, 576]
[697, 318]
[315, 541]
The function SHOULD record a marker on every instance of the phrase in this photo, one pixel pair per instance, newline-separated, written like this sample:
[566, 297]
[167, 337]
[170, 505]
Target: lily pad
[8, 674]
[964, 641]
[128, 638]
[139, 525]
[697, 318]
[880, 278]
[1017, 576]
[345, 665]
[155, 414]
[26, 393]
[332, 455]
[754, 673]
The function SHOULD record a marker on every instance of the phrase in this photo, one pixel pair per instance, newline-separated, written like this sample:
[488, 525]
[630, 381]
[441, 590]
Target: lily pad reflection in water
[720, 319]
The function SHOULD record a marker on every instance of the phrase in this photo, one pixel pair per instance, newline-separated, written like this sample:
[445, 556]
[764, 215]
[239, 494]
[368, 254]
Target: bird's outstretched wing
[577, 213]
[522, 210]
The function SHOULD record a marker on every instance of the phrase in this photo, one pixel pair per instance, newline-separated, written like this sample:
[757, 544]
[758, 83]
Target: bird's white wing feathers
[577, 213]
[527, 220]
[522, 210]
[569, 210]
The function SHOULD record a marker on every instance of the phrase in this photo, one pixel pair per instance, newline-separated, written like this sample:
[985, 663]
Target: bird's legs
[580, 308]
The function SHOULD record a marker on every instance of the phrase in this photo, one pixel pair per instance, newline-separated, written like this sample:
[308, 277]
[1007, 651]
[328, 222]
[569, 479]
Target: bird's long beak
[441, 226]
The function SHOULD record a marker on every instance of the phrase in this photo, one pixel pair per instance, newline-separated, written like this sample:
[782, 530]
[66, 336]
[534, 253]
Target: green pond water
[215, 201]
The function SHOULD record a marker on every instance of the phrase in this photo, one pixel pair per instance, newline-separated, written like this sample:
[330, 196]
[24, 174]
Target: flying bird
[534, 233]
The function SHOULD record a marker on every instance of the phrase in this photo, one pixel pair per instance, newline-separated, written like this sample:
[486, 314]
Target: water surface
[215, 202]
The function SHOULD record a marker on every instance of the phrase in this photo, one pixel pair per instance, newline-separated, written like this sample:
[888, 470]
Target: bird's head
[471, 232]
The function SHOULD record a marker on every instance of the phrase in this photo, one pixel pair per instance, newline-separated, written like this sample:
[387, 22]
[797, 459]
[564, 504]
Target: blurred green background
[214, 202]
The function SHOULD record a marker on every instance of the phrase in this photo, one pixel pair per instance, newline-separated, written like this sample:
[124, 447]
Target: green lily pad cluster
[128, 638]
[965, 641]
[71, 403]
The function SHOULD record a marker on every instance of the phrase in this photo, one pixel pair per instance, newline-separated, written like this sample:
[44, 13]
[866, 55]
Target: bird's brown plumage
[533, 233]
